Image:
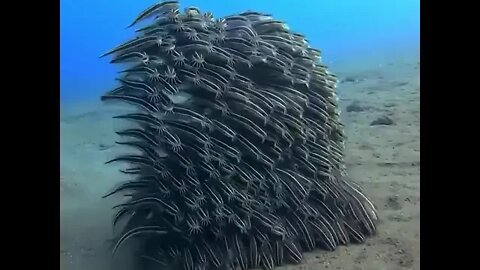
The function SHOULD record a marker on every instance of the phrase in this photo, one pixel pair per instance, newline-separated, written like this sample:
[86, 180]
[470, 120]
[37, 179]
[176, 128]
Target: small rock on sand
[355, 106]
[103, 147]
[382, 121]
[399, 84]
[351, 79]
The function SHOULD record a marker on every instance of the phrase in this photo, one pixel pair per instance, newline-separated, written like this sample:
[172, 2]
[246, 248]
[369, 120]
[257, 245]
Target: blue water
[342, 29]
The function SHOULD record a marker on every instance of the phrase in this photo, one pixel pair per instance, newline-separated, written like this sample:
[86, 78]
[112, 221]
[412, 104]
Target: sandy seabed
[380, 104]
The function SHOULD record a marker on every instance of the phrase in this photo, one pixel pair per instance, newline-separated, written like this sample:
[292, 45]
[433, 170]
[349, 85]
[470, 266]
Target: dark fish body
[132, 100]
[129, 57]
[242, 29]
[159, 8]
[136, 44]
[138, 85]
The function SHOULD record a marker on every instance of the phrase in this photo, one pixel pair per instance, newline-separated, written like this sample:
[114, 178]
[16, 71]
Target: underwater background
[344, 30]
[373, 46]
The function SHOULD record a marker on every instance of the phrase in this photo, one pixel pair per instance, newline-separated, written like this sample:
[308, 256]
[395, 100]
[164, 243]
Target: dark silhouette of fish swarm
[240, 149]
